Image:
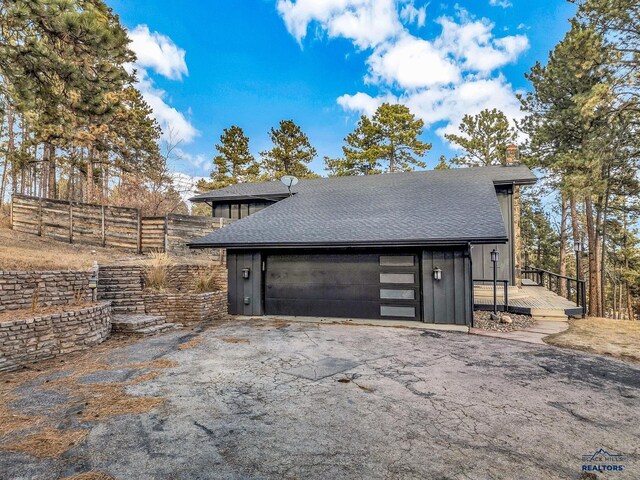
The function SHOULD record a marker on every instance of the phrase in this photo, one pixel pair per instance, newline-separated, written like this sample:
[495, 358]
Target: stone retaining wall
[123, 285]
[184, 277]
[27, 341]
[19, 289]
[187, 307]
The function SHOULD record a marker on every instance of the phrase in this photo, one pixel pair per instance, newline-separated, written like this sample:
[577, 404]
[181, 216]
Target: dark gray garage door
[343, 285]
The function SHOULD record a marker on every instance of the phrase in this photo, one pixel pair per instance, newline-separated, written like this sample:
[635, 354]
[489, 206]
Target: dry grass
[92, 475]
[21, 251]
[156, 276]
[235, 340]
[49, 442]
[193, 343]
[206, 282]
[617, 338]
[37, 434]
[37, 311]
[14, 422]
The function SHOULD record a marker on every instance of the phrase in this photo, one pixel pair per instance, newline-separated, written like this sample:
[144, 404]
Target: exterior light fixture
[494, 259]
[245, 272]
[93, 285]
[437, 273]
[577, 246]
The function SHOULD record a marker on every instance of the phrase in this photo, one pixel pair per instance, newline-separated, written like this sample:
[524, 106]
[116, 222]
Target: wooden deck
[534, 300]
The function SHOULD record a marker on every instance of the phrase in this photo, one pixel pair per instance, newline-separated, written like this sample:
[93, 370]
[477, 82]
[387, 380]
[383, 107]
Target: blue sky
[204, 66]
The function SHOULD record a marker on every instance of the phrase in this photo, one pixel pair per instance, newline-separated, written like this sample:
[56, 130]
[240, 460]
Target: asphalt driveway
[276, 400]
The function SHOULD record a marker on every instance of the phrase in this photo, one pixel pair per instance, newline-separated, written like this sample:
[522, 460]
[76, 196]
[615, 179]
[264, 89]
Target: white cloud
[500, 3]
[441, 78]
[160, 54]
[365, 22]
[362, 103]
[175, 126]
[411, 62]
[473, 43]
[410, 14]
[200, 162]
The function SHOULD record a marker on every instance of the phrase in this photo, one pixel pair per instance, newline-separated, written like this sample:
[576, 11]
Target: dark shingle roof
[244, 191]
[446, 206]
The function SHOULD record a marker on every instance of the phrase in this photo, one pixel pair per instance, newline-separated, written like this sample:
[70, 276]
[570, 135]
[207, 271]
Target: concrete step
[152, 330]
[550, 318]
[133, 323]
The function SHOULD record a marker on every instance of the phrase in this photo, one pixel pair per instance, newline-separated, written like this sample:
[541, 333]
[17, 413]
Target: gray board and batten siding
[370, 284]
[481, 253]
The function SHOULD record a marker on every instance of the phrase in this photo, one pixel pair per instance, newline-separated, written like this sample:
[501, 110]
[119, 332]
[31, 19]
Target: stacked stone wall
[19, 290]
[30, 340]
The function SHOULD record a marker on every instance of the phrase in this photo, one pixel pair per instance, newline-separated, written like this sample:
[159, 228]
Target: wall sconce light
[245, 272]
[93, 286]
[437, 273]
[494, 255]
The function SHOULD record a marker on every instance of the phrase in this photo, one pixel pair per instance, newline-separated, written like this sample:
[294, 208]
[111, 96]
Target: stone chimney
[512, 154]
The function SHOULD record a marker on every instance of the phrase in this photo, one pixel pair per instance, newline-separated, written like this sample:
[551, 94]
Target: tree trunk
[594, 291]
[52, 187]
[90, 175]
[9, 162]
[603, 255]
[563, 245]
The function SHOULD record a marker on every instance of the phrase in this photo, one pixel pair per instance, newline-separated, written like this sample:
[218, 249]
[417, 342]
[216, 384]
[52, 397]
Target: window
[397, 278]
[396, 260]
[397, 294]
[392, 311]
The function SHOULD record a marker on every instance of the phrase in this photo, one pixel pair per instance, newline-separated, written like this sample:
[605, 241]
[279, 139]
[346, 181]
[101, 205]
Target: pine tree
[291, 153]
[390, 137]
[442, 164]
[234, 162]
[484, 139]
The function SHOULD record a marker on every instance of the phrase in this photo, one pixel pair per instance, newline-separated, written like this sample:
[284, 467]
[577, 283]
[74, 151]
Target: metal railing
[574, 289]
[505, 283]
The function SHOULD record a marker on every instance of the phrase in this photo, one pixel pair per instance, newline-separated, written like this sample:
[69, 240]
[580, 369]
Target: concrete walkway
[533, 334]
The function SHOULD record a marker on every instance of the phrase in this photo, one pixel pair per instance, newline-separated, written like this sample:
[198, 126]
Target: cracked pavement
[258, 399]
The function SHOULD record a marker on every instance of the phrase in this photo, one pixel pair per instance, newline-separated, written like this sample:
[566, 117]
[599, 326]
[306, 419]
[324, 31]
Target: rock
[506, 319]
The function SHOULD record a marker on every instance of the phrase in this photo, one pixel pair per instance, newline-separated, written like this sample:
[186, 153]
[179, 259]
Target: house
[403, 246]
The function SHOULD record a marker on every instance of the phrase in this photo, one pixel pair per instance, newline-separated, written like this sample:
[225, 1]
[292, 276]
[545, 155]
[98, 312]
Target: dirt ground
[618, 338]
[21, 251]
[260, 399]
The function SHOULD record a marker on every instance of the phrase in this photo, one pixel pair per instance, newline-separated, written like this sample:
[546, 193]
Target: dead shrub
[206, 282]
[156, 277]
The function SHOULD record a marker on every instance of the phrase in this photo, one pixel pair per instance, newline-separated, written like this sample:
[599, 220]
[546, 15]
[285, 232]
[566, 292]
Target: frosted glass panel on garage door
[393, 311]
[389, 293]
[397, 278]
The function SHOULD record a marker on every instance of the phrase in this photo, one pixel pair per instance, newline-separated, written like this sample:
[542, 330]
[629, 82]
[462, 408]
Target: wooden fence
[107, 226]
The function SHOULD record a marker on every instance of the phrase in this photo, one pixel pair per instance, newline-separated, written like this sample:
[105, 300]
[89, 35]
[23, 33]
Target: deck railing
[505, 283]
[567, 287]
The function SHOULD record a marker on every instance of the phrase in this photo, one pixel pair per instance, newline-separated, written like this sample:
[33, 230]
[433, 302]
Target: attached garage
[393, 247]
[388, 284]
